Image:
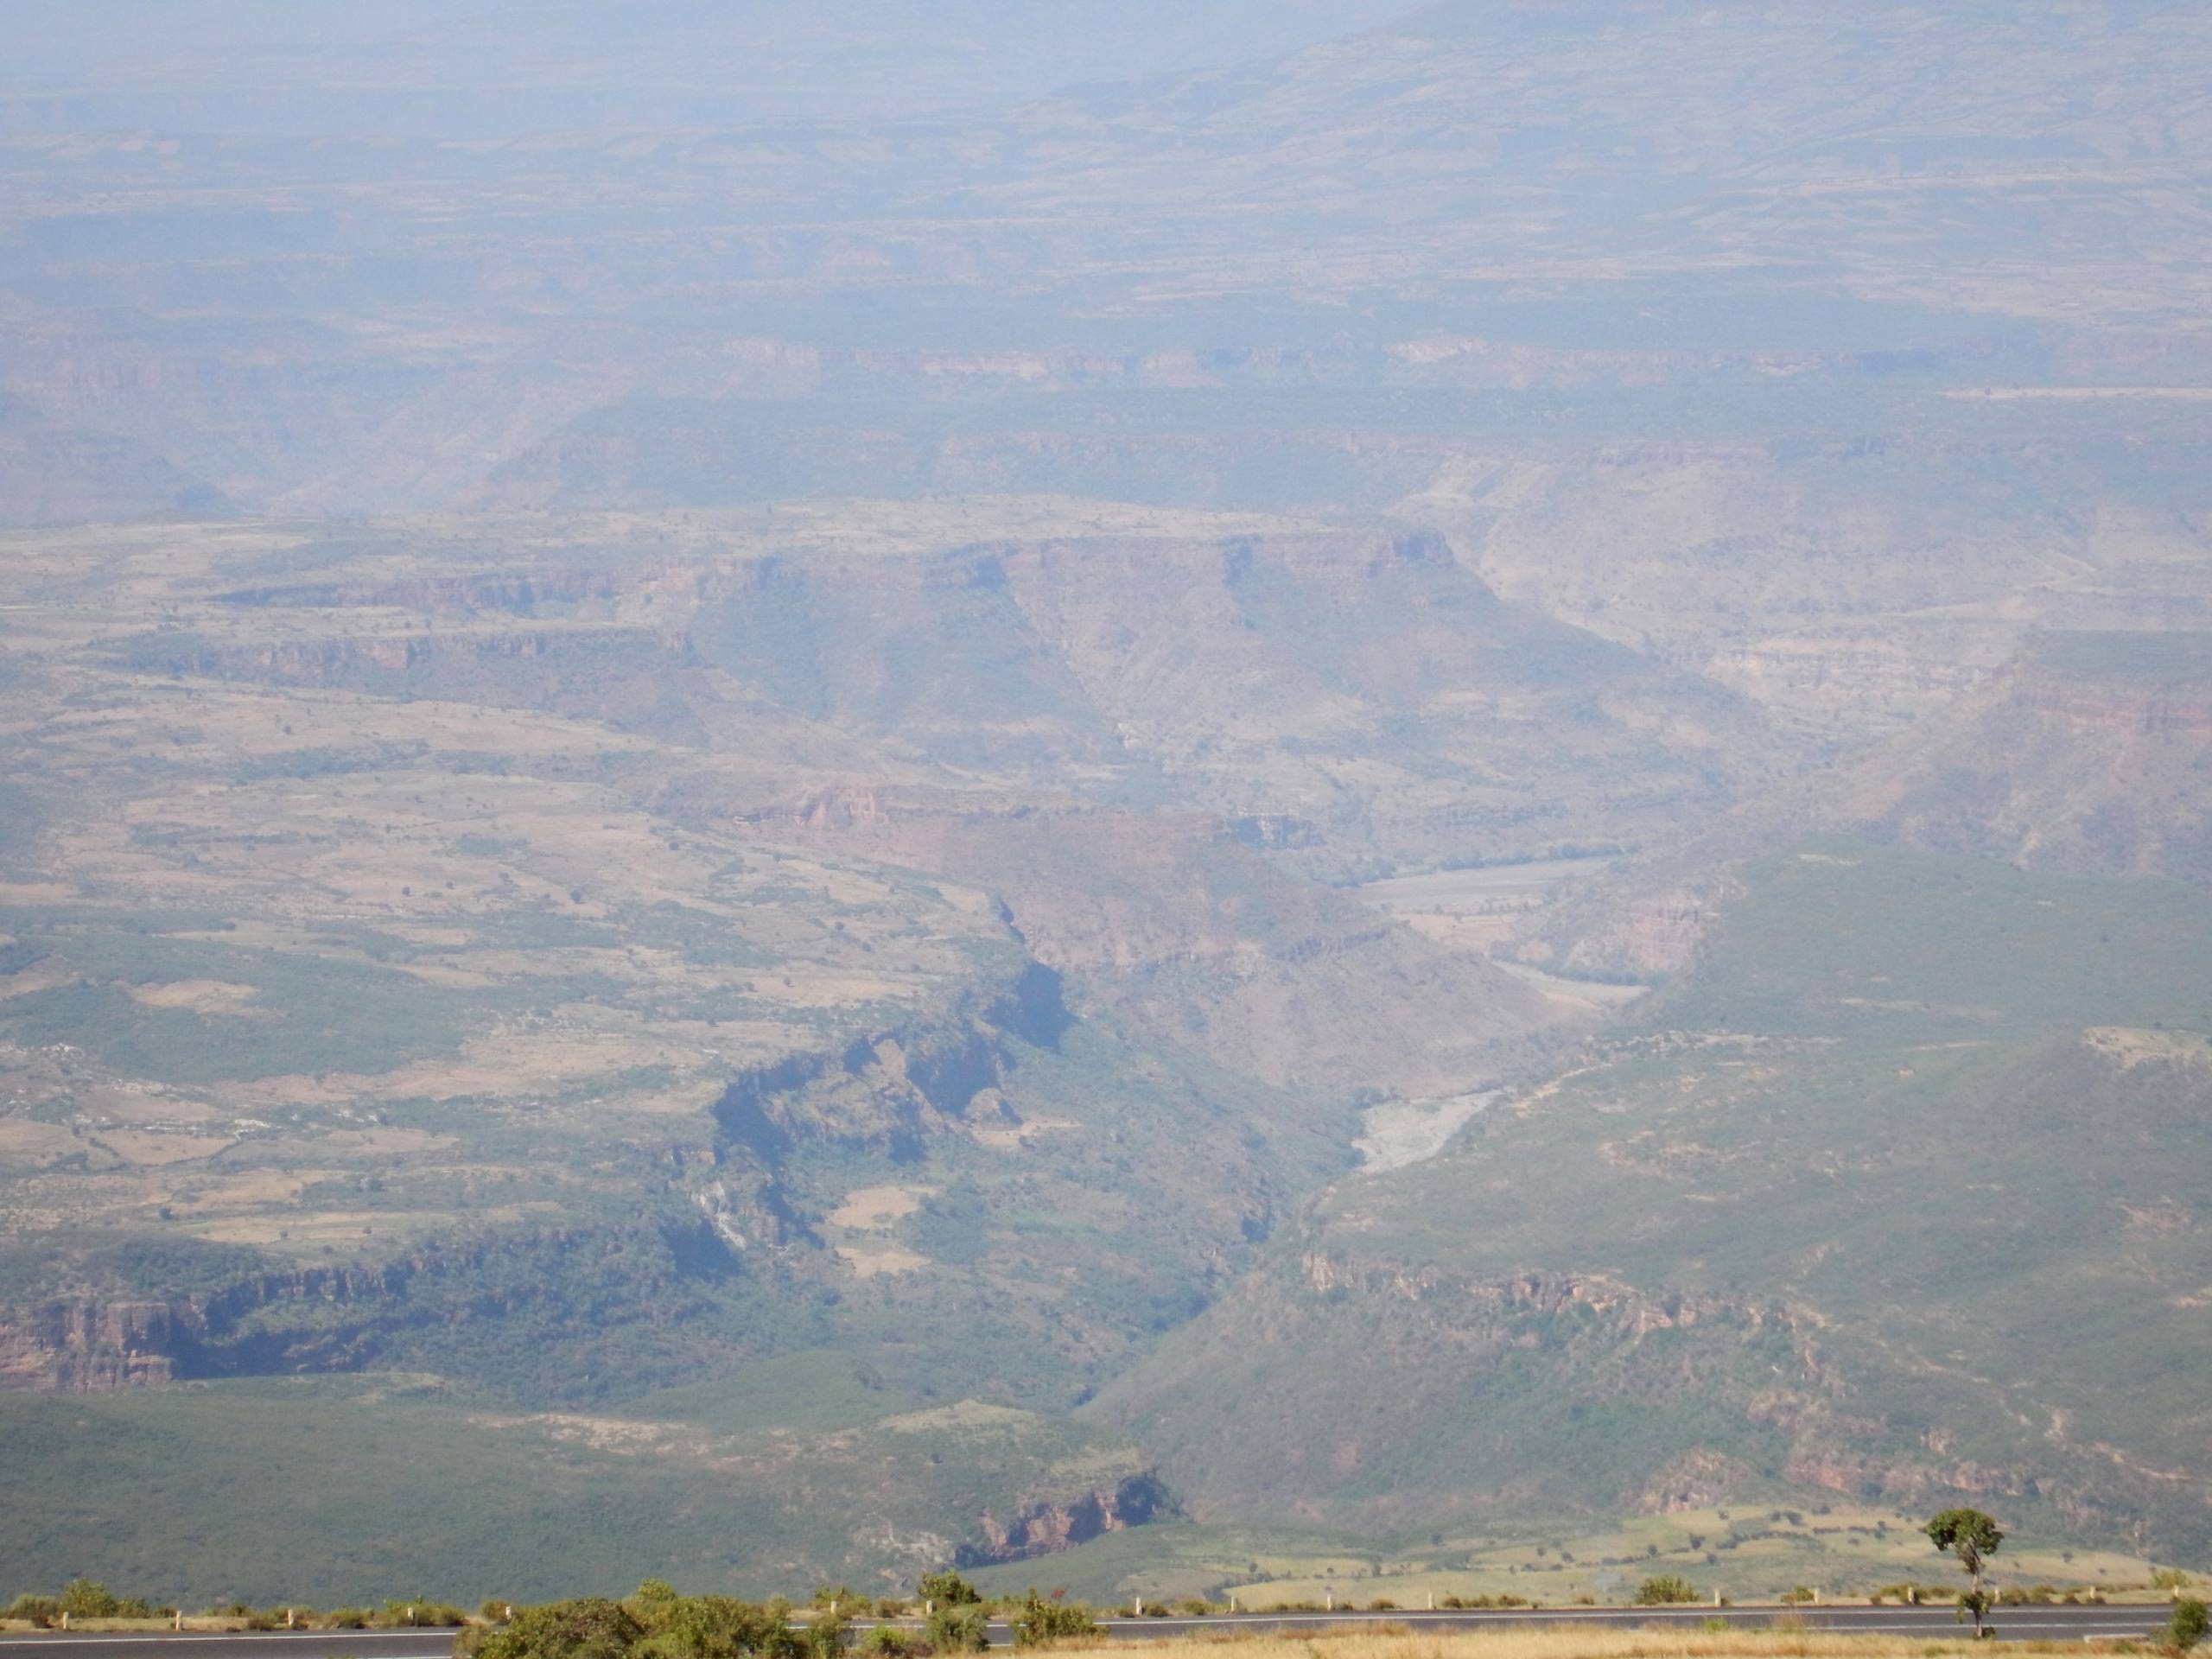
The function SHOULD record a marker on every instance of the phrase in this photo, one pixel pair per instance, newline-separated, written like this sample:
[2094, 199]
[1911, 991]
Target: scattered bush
[419, 1610]
[346, 1618]
[589, 1627]
[1040, 1619]
[88, 1599]
[1799, 1595]
[964, 1627]
[825, 1637]
[2188, 1626]
[947, 1589]
[891, 1642]
[1661, 1589]
[720, 1627]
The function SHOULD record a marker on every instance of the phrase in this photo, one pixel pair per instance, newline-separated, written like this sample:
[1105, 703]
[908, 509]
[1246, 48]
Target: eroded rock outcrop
[1046, 1528]
[87, 1346]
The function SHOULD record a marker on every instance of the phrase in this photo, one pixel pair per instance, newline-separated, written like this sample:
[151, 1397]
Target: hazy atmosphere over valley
[1289, 798]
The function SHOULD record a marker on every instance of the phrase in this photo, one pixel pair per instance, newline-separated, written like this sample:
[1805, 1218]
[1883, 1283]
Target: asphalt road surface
[2052, 1623]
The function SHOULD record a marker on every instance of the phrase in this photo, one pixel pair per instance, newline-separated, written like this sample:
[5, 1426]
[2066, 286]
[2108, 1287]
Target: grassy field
[1744, 1554]
[1564, 1642]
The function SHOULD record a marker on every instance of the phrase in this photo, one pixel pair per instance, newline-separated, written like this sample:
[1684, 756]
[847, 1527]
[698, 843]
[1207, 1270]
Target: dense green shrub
[892, 1641]
[88, 1599]
[2188, 1626]
[345, 1618]
[720, 1627]
[1663, 1588]
[589, 1627]
[960, 1628]
[947, 1589]
[1039, 1620]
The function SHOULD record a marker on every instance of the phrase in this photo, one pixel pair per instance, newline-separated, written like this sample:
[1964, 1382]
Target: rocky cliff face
[885, 1093]
[1046, 1528]
[88, 1347]
[305, 1319]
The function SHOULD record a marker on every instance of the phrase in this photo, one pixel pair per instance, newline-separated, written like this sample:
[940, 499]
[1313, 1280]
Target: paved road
[2057, 1623]
[2053, 1624]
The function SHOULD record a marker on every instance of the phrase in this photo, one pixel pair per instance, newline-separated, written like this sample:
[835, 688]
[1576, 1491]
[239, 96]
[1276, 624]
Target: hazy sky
[481, 67]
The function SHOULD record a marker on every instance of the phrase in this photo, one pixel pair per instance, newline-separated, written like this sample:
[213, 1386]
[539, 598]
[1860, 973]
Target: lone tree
[1973, 1537]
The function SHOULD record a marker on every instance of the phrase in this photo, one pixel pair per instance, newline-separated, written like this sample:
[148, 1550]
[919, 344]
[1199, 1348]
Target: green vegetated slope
[1894, 1197]
[329, 1489]
[597, 997]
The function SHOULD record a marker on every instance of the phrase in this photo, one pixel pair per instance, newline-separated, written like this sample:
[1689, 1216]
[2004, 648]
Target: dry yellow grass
[869, 1261]
[1621, 1641]
[869, 1207]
